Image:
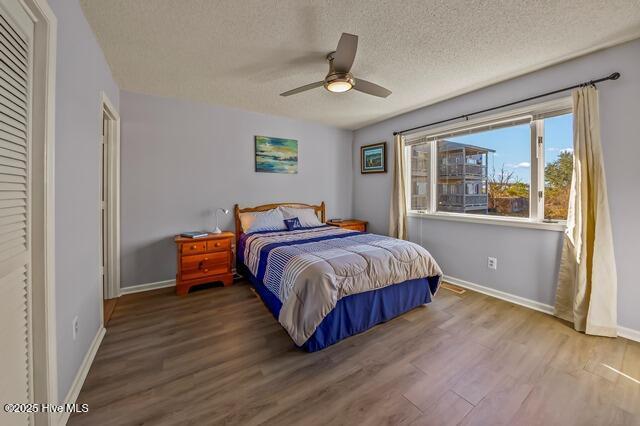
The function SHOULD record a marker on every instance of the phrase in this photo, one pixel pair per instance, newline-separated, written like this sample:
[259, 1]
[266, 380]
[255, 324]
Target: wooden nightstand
[204, 260]
[353, 224]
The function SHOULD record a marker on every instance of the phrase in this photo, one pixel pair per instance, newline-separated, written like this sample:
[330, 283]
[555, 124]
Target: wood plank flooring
[109, 305]
[219, 357]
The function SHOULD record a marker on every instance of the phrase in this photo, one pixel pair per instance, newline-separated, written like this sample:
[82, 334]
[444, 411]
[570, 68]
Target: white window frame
[537, 113]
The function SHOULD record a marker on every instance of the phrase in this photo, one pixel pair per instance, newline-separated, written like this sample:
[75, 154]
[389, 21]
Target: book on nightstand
[194, 234]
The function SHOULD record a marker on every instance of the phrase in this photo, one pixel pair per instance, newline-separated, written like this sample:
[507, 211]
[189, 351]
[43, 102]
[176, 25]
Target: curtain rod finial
[615, 76]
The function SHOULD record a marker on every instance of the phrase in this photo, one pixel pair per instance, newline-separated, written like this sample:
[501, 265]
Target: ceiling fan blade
[345, 52]
[370, 88]
[303, 88]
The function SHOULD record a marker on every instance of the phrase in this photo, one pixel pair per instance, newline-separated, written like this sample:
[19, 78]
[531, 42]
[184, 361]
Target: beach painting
[276, 155]
[373, 158]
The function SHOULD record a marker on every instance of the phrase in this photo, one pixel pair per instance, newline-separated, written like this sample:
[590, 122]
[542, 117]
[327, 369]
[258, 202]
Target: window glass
[486, 173]
[558, 158]
[420, 171]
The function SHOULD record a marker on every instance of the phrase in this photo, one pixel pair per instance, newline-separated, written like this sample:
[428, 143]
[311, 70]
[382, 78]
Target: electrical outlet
[492, 263]
[75, 328]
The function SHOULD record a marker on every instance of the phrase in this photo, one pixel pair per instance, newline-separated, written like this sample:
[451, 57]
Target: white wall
[527, 258]
[181, 160]
[82, 73]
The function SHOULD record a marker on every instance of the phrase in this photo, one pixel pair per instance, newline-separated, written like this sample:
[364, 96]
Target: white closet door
[16, 35]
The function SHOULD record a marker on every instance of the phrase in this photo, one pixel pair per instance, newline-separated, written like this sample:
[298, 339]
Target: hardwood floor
[219, 357]
[109, 305]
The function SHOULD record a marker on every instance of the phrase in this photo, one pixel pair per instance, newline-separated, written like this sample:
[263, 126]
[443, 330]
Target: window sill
[500, 221]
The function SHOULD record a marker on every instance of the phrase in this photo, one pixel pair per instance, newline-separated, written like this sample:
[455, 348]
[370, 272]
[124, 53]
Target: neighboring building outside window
[462, 177]
[420, 170]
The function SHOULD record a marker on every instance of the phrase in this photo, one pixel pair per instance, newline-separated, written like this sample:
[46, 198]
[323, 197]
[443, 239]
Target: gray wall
[181, 160]
[528, 259]
[82, 73]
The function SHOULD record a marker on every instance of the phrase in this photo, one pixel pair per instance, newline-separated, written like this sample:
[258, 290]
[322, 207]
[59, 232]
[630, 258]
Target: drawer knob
[206, 270]
[194, 247]
[206, 258]
[217, 244]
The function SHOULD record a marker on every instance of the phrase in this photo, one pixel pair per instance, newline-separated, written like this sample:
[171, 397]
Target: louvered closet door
[16, 34]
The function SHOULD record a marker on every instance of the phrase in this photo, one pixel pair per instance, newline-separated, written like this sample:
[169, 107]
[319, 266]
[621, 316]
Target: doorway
[109, 207]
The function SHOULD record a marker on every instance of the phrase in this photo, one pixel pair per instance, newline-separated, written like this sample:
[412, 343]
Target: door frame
[43, 351]
[113, 198]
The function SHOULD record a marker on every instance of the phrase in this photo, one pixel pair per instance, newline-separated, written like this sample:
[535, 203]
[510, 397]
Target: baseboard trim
[76, 386]
[627, 333]
[147, 287]
[518, 300]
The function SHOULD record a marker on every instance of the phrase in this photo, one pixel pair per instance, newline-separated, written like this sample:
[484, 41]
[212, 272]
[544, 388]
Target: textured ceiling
[243, 53]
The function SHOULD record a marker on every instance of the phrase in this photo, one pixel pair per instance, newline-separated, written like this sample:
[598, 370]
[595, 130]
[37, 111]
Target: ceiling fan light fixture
[339, 83]
[339, 86]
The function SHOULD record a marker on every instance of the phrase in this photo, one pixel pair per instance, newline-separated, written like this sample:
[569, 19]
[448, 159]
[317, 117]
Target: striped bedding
[309, 270]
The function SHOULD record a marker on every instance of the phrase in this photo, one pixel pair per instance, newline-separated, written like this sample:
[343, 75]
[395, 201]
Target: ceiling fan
[339, 79]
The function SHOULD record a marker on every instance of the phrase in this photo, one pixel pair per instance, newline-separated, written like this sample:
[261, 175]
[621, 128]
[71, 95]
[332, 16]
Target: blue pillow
[293, 223]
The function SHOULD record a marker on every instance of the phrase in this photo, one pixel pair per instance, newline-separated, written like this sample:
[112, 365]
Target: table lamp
[225, 211]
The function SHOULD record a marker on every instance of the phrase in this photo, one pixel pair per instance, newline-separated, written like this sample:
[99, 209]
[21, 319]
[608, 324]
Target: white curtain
[398, 205]
[587, 283]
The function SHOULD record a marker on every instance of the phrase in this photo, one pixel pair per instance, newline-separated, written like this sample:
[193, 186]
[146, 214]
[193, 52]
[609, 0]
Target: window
[558, 168]
[515, 166]
[420, 170]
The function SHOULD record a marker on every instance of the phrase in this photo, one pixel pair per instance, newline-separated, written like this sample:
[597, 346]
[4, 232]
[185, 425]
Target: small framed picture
[373, 158]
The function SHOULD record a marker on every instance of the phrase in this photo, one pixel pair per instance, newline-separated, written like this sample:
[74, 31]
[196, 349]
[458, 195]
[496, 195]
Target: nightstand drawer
[204, 260]
[219, 245]
[354, 227]
[205, 272]
[193, 248]
[203, 265]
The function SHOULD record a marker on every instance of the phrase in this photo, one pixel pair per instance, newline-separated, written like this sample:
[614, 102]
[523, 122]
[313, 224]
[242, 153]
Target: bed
[324, 283]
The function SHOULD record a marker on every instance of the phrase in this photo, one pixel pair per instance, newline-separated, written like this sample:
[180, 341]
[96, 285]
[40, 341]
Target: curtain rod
[614, 76]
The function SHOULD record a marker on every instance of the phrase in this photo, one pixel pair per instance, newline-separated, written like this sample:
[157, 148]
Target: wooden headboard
[319, 209]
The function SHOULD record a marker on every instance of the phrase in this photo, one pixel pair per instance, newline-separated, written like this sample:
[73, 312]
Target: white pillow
[271, 220]
[246, 220]
[307, 217]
